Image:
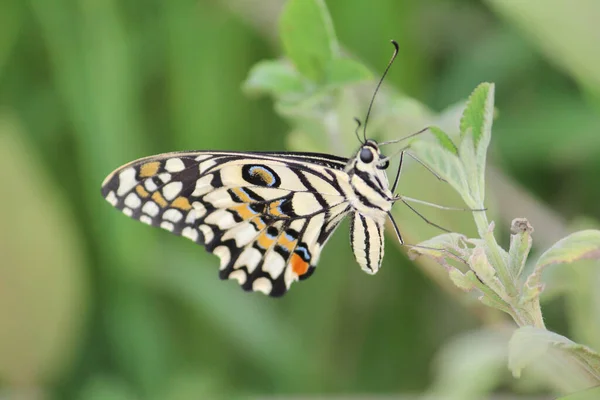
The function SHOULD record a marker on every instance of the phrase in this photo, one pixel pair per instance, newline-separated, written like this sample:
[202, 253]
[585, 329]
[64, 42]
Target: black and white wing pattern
[265, 215]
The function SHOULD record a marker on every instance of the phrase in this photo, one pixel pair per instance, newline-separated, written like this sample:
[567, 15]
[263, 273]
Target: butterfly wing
[265, 215]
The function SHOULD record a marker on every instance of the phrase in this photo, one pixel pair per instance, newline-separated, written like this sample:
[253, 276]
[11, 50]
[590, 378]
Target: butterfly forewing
[266, 215]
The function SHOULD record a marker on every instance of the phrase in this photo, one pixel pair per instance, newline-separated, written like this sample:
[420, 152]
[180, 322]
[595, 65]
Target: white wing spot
[172, 215]
[245, 235]
[273, 264]
[167, 225]
[164, 177]
[191, 217]
[249, 258]
[289, 277]
[111, 198]
[190, 233]
[224, 255]
[203, 157]
[127, 211]
[206, 165]
[126, 181]
[207, 232]
[171, 190]
[174, 165]
[239, 275]
[146, 219]
[132, 200]
[150, 208]
[262, 284]
[150, 185]
[199, 209]
[203, 186]
[222, 218]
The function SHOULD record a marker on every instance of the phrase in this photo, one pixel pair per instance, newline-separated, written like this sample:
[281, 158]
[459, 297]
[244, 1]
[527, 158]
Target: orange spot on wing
[182, 203]
[260, 225]
[243, 196]
[284, 242]
[299, 266]
[149, 169]
[157, 197]
[264, 240]
[243, 211]
[274, 209]
[141, 191]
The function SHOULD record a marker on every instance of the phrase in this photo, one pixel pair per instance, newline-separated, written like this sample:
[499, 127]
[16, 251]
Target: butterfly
[266, 215]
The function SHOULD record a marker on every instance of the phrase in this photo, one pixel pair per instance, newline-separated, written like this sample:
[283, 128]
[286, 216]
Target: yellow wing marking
[182, 203]
[149, 169]
[159, 199]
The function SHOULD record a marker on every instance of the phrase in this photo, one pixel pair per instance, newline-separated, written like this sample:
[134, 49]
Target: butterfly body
[266, 216]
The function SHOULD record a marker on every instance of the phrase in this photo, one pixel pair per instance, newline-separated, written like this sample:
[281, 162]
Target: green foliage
[498, 275]
[93, 305]
[308, 37]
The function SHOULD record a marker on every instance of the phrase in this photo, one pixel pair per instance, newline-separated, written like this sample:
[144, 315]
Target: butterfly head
[369, 158]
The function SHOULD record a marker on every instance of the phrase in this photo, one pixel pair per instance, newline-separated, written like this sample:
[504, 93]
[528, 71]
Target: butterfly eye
[366, 155]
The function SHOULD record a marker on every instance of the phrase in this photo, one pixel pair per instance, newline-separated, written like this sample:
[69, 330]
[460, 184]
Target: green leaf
[445, 164]
[476, 122]
[577, 246]
[308, 37]
[579, 366]
[520, 245]
[276, 78]
[469, 162]
[440, 248]
[478, 112]
[344, 71]
[444, 140]
[480, 264]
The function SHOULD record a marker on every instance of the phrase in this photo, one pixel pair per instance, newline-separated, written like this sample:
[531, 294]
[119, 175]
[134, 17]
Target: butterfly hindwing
[266, 215]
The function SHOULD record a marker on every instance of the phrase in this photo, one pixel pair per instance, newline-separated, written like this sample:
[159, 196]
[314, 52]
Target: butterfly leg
[426, 166]
[423, 217]
[398, 235]
[410, 199]
[395, 185]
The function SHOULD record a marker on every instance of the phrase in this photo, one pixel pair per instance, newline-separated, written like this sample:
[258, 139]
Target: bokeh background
[96, 306]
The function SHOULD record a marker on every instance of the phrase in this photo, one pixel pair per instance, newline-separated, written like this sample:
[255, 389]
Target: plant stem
[504, 273]
[529, 314]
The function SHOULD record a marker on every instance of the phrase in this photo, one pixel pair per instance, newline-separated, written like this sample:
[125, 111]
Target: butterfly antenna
[358, 124]
[396, 48]
[405, 137]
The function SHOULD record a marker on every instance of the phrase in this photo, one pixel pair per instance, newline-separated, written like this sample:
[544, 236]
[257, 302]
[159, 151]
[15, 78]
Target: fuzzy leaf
[472, 172]
[476, 122]
[520, 244]
[276, 78]
[308, 37]
[530, 345]
[444, 163]
[478, 113]
[344, 71]
[444, 140]
[439, 246]
[577, 246]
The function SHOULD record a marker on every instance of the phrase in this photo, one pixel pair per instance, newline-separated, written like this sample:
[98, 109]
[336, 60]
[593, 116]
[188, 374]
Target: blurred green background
[96, 306]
